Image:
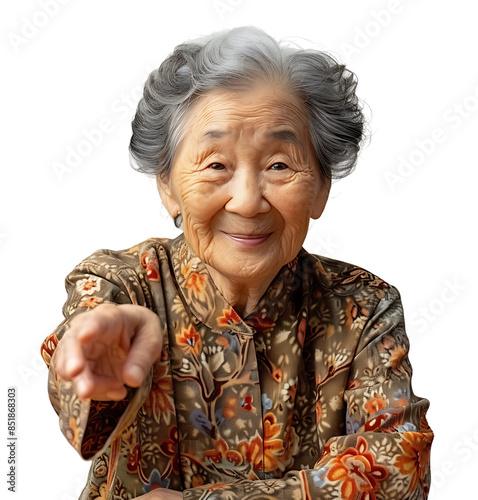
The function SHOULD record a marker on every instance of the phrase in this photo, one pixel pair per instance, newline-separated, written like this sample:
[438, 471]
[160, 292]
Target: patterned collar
[209, 306]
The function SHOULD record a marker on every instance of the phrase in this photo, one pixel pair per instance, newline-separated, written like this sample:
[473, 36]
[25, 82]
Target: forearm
[391, 466]
[162, 494]
[83, 421]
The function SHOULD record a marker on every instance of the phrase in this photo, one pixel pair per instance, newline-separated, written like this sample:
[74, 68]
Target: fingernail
[71, 366]
[80, 388]
[136, 373]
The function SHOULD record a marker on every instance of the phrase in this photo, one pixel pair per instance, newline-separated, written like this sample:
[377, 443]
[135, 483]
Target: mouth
[249, 240]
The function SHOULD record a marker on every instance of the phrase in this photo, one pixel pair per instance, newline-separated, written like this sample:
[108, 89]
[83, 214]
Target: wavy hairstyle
[235, 59]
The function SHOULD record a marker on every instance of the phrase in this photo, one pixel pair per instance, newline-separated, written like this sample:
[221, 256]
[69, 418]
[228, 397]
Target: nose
[246, 195]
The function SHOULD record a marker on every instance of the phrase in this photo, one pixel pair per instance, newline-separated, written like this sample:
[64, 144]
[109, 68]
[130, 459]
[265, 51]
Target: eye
[278, 166]
[216, 166]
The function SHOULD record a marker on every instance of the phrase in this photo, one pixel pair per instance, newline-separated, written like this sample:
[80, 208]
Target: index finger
[69, 359]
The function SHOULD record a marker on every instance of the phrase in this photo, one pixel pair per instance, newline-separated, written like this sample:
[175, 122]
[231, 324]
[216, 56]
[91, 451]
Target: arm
[92, 356]
[386, 453]
[162, 494]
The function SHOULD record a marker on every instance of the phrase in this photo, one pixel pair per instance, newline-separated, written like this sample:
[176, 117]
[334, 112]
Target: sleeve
[386, 451]
[90, 426]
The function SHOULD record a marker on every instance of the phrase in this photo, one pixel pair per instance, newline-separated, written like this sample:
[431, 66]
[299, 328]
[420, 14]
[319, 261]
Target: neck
[242, 297]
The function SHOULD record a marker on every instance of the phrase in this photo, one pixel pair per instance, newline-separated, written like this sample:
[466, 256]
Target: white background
[73, 67]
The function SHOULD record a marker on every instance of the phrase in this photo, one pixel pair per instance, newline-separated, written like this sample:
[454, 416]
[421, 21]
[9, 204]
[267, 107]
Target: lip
[249, 240]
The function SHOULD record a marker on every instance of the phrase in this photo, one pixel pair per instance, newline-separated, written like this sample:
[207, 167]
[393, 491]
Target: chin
[254, 270]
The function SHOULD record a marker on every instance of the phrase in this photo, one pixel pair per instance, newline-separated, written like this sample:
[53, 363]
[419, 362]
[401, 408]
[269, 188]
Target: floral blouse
[307, 397]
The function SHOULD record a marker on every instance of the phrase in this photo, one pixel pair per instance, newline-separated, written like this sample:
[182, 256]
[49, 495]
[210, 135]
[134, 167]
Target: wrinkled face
[246, 182]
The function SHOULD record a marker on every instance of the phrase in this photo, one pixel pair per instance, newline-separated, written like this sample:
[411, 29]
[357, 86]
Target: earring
[178, 220]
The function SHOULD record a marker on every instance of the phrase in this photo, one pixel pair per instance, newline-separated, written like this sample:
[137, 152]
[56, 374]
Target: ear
[167, 197]
[321, 198]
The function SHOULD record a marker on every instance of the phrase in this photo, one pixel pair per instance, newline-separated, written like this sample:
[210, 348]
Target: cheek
[200, 204]
[296, 223]
[295, 212]
[295, 202]
[296, 227]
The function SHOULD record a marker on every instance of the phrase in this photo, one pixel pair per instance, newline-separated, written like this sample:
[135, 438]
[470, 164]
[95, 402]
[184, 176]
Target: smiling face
[246, 181]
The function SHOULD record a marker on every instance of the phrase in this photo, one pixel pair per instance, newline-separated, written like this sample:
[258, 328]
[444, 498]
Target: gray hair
[233, 60]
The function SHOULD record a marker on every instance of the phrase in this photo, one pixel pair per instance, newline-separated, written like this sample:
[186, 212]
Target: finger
[104, 324]
[114, 394]
[144, 351]
[84, 383]
[70, 359]
[78, 342]
[98, 387]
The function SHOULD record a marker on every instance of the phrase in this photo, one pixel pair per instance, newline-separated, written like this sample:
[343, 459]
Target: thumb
[145, 349]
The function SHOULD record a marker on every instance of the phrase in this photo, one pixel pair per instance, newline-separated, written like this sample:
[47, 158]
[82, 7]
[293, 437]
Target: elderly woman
[230, 363]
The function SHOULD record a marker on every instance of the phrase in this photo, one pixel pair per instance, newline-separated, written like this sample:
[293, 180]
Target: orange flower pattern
[221, 451]
[150, 263]
[265, 454]
[160, 404]
[48, 348]
[308, 396]
[229, 317]
[194, 281]
[190, 339]
[375, 404]
[90, 302]
[415, 461]
[358, 474]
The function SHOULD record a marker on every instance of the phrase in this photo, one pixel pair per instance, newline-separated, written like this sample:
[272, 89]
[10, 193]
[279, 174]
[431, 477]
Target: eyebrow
[283, 135]
[214, 134]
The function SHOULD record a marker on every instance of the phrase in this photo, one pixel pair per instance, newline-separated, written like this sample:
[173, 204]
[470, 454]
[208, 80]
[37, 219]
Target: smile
[249, 240]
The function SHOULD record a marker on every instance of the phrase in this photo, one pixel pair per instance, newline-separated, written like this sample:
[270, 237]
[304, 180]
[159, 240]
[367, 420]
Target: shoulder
[336, 277]
[129, 258]
[118, 276]
[135, 267]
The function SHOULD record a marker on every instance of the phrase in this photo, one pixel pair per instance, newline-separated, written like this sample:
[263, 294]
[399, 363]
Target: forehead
[264, 109]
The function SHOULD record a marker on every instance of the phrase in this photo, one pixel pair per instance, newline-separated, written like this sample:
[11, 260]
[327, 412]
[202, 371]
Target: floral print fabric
[308, 397]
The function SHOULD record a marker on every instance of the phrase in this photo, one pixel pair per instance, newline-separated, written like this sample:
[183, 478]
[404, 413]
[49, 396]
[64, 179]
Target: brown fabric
[308, 397]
